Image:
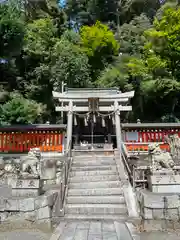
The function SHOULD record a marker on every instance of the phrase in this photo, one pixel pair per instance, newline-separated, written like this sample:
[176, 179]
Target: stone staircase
[94, 189]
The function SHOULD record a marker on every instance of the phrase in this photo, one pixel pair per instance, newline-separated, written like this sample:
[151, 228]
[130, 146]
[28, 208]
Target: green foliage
[111, 77]
[89, 43]
[130, 9]
[137, 67]
[98, 40]
[69, 64]
[34, 10]
[19, 110]
[40, 37]
[100, 46]
[164, 38]
[72, 36]
[87, 12]
[11, 32]
[131, 36]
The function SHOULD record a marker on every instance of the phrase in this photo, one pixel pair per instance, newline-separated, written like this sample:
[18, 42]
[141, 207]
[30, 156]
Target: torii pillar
[69, 125]
[118, 126]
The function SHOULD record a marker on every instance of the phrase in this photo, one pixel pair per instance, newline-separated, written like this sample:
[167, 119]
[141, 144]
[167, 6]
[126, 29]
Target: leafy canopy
[100, 46]
[19, 110]
[12, 32]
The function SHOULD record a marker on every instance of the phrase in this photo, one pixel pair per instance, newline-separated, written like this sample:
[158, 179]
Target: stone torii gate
[96, 102]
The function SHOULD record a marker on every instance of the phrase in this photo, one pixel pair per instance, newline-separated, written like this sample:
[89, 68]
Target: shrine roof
[84, 91]
[33, 127]
[149, 125]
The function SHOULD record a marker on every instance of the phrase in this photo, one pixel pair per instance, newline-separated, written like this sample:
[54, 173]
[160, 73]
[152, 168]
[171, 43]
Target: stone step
[95, 192]
[89, 158]
[92, 168]
[87, 209]
[119, 199]
[119, 218]
[93, 185]
[93, 163]
[93, 173]
[98, 178]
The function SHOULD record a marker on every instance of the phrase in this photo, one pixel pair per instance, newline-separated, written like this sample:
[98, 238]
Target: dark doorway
[92, 130]
[114, 142]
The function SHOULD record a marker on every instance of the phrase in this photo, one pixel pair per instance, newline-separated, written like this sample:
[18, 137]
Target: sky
[62, 2]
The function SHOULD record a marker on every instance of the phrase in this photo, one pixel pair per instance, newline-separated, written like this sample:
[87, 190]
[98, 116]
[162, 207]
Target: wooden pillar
[69, 124]
[109, 138]
[76, 138]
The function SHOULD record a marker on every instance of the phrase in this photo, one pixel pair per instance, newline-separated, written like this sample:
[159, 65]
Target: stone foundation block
[24, 183]
[51, 181]
[159, 206]
[164, 183]
[12, 205]
[47, 199]
[173, 201]
[152, 200]
[147, 213]
[30, 216]
[26, 204]
[25, 192]
[166, 189]
[158, 214]
[43, 213]
[2, 204]
[3, 216]
[172, 214]
[158, 200]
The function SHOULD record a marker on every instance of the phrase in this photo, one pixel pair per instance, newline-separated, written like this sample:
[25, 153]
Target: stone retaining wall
[159, 206]
[34, 209]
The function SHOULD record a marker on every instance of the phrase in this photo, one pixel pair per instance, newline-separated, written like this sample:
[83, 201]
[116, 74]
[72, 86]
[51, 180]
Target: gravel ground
[159, 236]
[24, 234]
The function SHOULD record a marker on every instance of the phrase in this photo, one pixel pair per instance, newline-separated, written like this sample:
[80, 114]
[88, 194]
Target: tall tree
[132, 8]
[12, 32]
[18, 110]
[69, 64]
[87, 12]
[164, 39]
[131, 36]
[100, 46]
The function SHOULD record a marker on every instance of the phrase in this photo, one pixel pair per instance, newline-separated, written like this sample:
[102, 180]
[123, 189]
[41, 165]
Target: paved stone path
[91, 230]
[88, 230]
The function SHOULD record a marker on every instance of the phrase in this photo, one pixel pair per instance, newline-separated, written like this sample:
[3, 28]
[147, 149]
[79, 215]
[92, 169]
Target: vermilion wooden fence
[149, 132]
[153, 135]
[137, 136]
[22, 138]
[51, 137]
[144, 147]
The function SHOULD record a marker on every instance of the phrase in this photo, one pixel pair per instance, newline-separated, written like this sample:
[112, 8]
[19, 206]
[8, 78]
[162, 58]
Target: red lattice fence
[22, 138]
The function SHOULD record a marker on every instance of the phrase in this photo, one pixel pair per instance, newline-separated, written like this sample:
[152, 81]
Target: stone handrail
[65, 175]
[124, 175]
